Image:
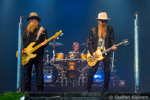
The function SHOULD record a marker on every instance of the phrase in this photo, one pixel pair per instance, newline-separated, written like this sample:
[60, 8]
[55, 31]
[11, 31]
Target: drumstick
[83, 50]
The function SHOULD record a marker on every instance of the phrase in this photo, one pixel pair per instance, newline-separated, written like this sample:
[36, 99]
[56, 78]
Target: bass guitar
[30, 49]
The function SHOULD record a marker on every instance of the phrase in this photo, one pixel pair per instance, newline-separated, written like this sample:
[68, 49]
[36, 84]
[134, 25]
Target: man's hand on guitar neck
[43, 44]
[114, 47]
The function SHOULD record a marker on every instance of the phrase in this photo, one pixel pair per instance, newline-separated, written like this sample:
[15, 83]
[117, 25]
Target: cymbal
[83, 44]
[55, 44]
[47, 51]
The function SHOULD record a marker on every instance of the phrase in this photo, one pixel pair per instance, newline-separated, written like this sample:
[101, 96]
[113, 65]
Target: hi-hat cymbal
[47, 51]
[55, 44]
[83, 44]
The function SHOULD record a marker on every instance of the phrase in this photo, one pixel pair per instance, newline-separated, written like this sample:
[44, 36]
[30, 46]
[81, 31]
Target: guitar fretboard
[111, 47]
[40, 45]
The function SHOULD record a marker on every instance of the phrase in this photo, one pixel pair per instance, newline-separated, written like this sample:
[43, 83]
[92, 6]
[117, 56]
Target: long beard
[31, 26]
[102, 30]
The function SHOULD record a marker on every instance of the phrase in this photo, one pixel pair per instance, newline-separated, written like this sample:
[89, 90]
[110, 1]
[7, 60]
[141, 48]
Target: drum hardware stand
[61, 81]
[62, 73]
[53, 51]
[83, 81]
[82, 76]
[79, 81]
[65, 81]
[54, 47]
[47, 59]
[73, 81]
[63, 78]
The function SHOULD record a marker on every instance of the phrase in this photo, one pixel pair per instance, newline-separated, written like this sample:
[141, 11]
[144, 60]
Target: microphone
[136, 13]
[22, 17]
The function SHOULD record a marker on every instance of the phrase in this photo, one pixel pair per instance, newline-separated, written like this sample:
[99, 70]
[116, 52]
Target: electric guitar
[93, 60]
[30, 49]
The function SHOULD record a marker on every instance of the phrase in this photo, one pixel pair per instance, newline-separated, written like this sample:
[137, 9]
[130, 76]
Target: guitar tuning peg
[61, 34]
[57, 37]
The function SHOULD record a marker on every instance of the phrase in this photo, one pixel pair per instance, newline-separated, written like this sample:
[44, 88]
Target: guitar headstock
[125, 42]
[57, 34]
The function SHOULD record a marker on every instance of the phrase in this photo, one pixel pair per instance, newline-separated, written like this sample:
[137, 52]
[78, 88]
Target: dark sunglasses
[103, 21]
[32, 18]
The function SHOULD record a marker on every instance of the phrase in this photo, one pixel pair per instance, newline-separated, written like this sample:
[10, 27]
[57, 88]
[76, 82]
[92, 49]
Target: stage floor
[69, 89]
[87, 96]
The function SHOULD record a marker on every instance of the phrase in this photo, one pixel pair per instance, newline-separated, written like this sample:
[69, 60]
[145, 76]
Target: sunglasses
[103, 21]
[33, 18]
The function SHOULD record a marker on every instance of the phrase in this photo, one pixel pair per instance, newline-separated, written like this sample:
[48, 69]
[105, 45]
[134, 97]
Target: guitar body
[93, 60]
[26, 57]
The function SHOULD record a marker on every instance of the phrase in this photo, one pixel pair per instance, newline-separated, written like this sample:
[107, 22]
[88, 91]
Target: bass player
[34, 33]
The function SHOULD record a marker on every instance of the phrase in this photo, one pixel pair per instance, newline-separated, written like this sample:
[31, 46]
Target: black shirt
[31, 37]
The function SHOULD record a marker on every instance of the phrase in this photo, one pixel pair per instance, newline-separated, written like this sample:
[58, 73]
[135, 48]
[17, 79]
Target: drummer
[75, 50]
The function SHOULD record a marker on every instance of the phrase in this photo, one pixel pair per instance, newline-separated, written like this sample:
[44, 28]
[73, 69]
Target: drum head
[59, 58]
[50, 74]
[72, 55]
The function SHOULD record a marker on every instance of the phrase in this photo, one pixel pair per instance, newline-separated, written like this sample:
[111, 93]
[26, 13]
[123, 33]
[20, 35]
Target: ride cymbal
[83, 44]
[55, 44]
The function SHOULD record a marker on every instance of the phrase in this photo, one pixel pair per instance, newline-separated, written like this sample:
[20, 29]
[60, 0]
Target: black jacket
[42, 37]
[93, 40]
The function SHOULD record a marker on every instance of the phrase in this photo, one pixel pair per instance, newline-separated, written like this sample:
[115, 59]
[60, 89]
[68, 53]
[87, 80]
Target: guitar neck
[40, 45]
[111, 47]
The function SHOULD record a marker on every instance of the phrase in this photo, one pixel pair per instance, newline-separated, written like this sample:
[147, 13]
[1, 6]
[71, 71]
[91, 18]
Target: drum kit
[63, 70]
[68, 70]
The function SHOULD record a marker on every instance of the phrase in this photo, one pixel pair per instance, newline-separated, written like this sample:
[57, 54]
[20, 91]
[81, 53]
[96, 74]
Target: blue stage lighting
[97, 76]
[48, 76]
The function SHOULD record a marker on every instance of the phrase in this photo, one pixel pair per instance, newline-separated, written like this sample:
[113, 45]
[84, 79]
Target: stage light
[97, 76]
[48, 76]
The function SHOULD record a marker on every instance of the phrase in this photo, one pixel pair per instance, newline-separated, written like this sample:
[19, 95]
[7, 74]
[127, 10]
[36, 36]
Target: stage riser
[79, 89]
[88, 96]
[69, 98]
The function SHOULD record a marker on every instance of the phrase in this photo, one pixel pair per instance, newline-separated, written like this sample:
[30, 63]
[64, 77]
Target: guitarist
[101, 36]
[34, 33]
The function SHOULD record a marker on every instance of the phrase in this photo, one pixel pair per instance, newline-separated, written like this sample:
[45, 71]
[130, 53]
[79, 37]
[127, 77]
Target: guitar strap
[39, 32]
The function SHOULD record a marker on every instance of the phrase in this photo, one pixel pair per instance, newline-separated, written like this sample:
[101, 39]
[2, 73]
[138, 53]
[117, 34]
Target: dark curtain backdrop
[75, 18]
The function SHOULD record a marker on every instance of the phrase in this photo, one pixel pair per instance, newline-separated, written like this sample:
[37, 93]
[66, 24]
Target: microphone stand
[19, 62]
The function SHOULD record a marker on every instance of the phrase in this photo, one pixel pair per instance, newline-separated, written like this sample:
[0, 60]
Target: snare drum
[72, 55]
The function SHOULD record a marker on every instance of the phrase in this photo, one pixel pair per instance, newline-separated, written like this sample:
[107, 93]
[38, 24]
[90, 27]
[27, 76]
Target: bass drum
[50, 74]
[72, 69]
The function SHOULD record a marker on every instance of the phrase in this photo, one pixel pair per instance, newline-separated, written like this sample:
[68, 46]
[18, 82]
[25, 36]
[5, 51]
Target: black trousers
[38, 62]
[106, 77]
